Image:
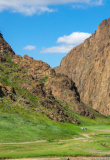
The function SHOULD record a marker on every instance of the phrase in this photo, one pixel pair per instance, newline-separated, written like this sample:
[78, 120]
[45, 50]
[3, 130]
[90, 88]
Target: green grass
[40, 150]
[43, 80]
[53, 149]
[99, 120]
[19, 122]
[18, 125]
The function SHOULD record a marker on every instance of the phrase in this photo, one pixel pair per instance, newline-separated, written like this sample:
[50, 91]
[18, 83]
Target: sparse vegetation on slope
[38, 104]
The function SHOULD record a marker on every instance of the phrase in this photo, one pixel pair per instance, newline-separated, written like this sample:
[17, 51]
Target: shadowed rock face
[89, 67]
[7, 91]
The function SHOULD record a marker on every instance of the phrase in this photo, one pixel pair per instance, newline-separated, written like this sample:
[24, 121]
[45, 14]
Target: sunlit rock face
[89, 67]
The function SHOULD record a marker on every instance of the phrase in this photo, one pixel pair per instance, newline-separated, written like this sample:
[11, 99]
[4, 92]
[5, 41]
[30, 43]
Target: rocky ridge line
[48, 84]
[88, 65]
[56, 93]
[5, 47]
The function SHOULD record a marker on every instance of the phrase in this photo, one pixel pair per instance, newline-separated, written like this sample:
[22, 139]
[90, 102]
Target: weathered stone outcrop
[64, 89]
[5, 47]
[7, 91]
[46, 83]
[34, 67]
[88, 65]
[54, 110]
[56, 95]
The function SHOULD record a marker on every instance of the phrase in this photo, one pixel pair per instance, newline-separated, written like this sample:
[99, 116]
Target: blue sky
[47, 29]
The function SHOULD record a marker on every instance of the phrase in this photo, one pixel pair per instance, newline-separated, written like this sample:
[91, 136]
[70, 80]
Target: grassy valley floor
[32, 135]
[26, 132]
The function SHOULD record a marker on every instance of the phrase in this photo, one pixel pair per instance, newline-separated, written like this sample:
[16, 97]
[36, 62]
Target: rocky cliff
[88, 65]
[35, 86]
[51, 87]
[5, 47]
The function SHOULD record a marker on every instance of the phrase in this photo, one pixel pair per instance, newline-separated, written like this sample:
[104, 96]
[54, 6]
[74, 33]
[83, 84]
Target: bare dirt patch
[97, 151]
[103, 130]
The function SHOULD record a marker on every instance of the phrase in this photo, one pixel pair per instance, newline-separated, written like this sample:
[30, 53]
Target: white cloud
[68, 42]
[97, 3]
[30, 48]
[89, 3]
[57, 49]
[30, 10]
[74, 38]
[79, 6]
[30, 7]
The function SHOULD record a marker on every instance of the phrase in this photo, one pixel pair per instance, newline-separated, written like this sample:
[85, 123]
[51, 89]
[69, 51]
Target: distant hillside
[88, 65]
